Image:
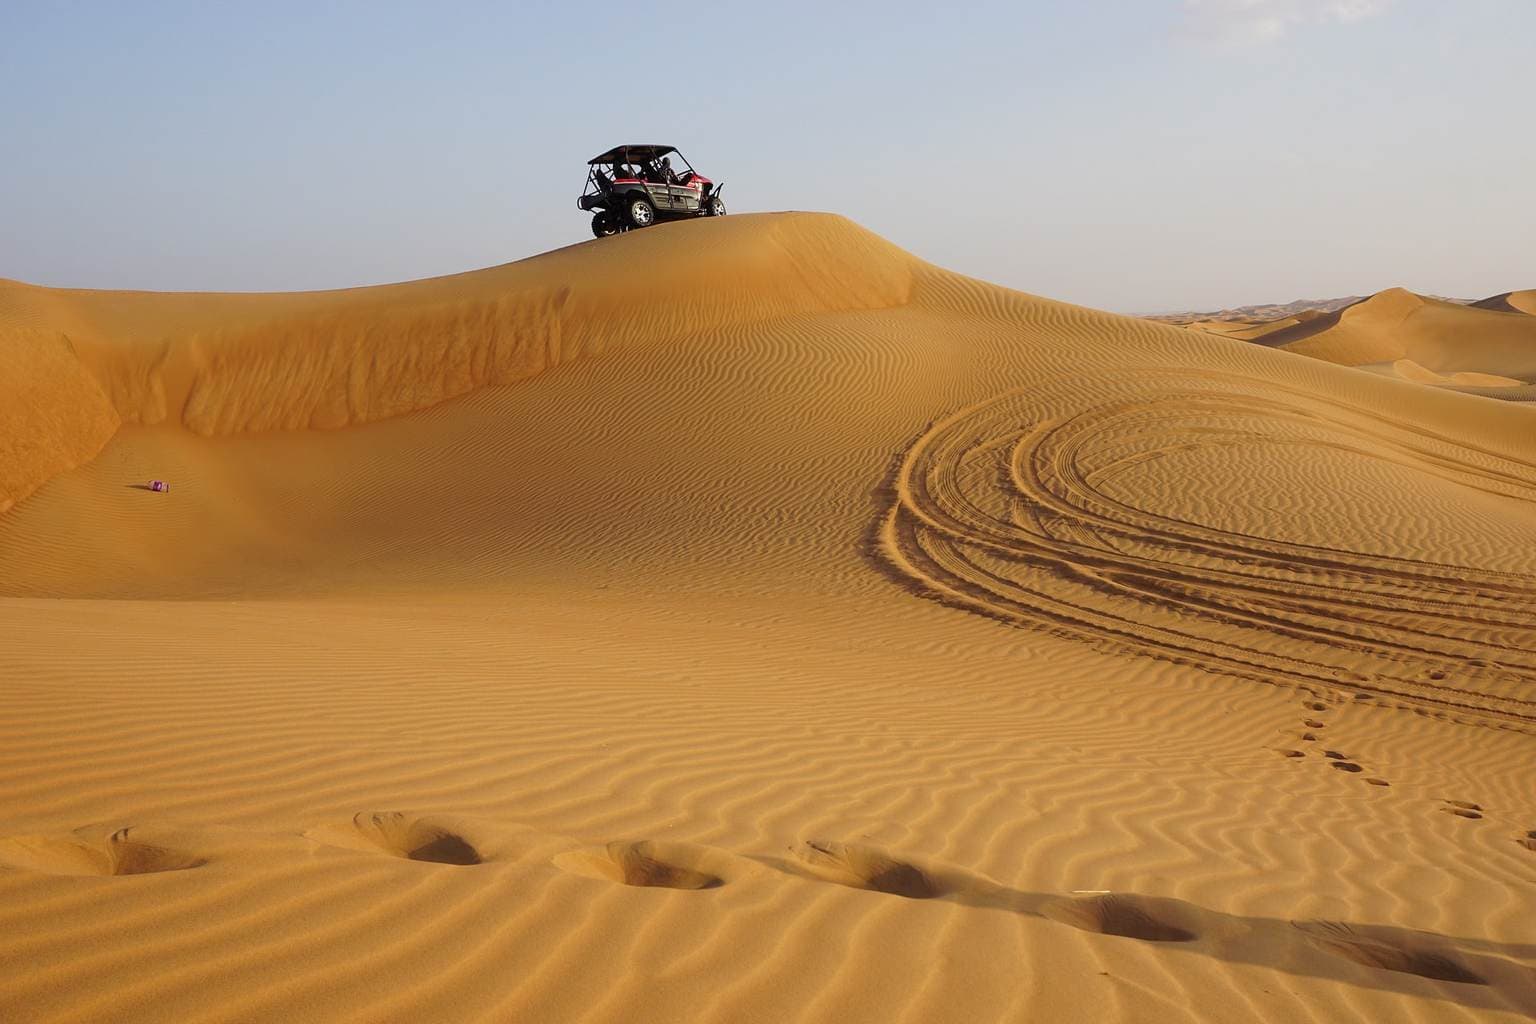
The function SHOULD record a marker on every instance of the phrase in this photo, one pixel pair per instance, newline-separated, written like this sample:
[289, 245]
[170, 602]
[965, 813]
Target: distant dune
[745, 620]
[1511, 302]
[1488, 345]
[1262, 313]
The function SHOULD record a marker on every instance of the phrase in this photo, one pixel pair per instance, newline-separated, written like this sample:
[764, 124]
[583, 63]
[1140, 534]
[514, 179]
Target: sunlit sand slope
[231, 363]
[744, 620]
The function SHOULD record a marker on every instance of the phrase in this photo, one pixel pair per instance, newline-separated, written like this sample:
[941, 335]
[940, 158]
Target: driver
[667, 177]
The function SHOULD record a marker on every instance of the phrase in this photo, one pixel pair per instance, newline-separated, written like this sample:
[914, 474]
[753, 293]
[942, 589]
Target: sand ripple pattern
[1010, 508]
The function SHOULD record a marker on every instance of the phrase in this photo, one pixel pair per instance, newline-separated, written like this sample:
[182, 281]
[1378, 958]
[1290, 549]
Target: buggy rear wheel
[641, 213]
[604, 224]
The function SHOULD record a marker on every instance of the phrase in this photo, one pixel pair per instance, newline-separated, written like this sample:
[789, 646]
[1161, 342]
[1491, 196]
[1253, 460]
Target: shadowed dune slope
[1495, 338]
[743, 620]
[1511, 302]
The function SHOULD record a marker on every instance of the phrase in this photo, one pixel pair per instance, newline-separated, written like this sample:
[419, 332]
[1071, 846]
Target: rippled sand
[745, 621]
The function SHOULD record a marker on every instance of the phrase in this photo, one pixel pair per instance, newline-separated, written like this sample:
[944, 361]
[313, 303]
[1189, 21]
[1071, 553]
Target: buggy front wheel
[641, 213]
[715, 207]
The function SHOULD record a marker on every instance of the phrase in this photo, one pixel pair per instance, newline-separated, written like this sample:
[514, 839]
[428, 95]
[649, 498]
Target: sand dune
[745, 620]
[1396, 333]
[230, 364]
[1398, 327]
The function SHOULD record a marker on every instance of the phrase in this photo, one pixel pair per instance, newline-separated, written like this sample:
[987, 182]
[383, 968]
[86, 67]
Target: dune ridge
[245, 363]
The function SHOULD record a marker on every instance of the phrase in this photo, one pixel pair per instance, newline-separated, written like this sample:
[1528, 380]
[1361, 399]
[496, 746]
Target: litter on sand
[159, 485]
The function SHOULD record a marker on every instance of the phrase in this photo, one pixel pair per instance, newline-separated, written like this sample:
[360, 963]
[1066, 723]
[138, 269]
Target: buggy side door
[661, 197]
[685, 198]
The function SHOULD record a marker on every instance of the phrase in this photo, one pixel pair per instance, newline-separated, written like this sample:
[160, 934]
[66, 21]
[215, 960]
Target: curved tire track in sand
[1007, 508]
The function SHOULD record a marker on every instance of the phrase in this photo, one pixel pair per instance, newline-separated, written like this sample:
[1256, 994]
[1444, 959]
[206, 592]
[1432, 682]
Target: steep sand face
[1493, 338]
[53, 414]
[835, 639]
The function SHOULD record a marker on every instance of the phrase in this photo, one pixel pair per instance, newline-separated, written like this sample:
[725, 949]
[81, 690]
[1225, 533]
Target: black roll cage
[598, 180]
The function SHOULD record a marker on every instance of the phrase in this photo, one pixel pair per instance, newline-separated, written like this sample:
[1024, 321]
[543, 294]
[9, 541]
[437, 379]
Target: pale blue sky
[1134, 155]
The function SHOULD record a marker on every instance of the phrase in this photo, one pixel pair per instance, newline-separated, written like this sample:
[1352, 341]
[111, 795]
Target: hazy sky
[1135, 155]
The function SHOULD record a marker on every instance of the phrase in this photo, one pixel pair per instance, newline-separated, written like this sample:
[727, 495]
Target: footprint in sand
[404, 836]
[1292, 753]
[1463, 809]
[868, 867]
[118, 854]
[1315, 705]
[1528, 840]
[1312, 723]
[649, 865]
[1151, 919]
[1344, 764]
[1406, 956]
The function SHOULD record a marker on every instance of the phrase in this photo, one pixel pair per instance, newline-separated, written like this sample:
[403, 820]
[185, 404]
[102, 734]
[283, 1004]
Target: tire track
[1011, 508]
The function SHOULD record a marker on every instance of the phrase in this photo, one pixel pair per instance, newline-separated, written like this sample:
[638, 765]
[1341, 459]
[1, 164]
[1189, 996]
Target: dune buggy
[636, 186]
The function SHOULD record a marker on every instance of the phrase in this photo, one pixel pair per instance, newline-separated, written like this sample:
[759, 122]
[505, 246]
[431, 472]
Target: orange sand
[744, 620]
